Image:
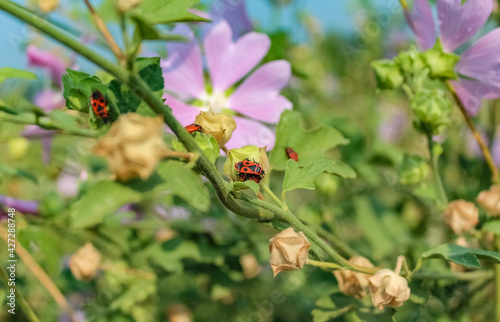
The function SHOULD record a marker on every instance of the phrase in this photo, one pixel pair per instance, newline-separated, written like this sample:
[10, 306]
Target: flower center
[217, 102]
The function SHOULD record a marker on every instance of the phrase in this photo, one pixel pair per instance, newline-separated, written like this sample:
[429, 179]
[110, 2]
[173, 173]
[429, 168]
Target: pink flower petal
[53, 64]
[235, 13]
[421, 22]
[459, 23]
[482, 61]
[250, 132]
[229, 61]
[49, 100]
[259, 95]
[470, 93]
[183, 69]
[184, 113]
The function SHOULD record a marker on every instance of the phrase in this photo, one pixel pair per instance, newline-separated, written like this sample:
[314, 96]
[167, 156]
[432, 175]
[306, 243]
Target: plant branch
[45, 123]
[106, 34]
[287, 216]
[325, 265]
[435, 169]
[475, 133]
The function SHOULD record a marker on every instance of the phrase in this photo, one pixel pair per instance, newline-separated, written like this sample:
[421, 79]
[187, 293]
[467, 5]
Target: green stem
[463, 276]
[334, 240]
[270, 193]
[140, 88]
[325, 265]
[435, 170]
[129, 52]
[287, 216]
[45, 123]
[28, 311]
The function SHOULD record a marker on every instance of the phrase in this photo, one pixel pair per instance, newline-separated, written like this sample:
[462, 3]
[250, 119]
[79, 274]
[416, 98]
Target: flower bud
[133, 146]
[412, 170]
[441, 64]
[249, 152]
[220, 125]
[126, 5]
[288, 250]
[461, 216]
[432, 108]
[207, 143]
[250, 265]
[411, 61]
[388, 74]
[388, 289]
[354, 283]
[490, 199]
[84, 264]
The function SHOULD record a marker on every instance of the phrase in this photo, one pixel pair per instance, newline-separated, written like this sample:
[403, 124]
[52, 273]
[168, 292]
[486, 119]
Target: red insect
[292, 154]
[192, 128]
[248, 170]
[100, 106]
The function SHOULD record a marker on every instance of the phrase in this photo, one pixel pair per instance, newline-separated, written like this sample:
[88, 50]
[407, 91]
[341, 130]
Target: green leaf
[468, 257]
[184, 183]
[341, 169]
[297, 178]
[310, 145]
[101, 200]
[5, 171]
[63, 120]
[77, 89]
[492, 227]
[8, 72]
[153, 12]
[254, 186]
[134, 295]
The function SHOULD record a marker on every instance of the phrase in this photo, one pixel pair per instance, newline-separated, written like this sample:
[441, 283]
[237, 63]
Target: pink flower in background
[255, 101]
[49, 100]
[53, 64]
[234, 12]
[458, 23]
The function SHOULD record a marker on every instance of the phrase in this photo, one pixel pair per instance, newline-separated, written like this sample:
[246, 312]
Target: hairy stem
[271, 194]
[435, 170]
[475, 133]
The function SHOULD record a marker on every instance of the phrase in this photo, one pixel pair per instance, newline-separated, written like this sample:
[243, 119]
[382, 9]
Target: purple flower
[234, 12]
[458, 23]
[26, 207]
[257, 99]
[49, 100]
[54, 65]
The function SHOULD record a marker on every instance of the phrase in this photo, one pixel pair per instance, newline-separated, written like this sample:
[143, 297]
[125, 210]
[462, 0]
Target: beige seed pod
[288, 250]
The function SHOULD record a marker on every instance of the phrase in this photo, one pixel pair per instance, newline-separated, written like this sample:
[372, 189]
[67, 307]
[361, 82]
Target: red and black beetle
[292, 154]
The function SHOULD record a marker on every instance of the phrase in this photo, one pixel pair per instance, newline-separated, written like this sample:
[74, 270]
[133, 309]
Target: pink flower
[49, 100]
[234, 12]
[54, 65]
[257, 99]
[458, 23]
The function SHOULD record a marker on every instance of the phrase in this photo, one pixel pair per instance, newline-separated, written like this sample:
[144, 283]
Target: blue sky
[333, 15]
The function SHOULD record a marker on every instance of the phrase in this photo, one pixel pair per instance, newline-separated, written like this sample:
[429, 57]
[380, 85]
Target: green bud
[250, 152]
[207, 143]
[411, 61]
[51, 204]
[440, 63]
[388, 74]
[432, 109]
[412, 170]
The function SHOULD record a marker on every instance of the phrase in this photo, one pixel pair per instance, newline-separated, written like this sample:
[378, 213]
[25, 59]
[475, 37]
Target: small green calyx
[250, 152]
[388, 74]
[411, 62]
[432, 109]
[440, 63]
[412, 170]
